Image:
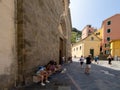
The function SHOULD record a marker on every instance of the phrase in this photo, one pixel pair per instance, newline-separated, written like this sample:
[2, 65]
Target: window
[105, 45]
[80, 47]
[76, 48]
[89, 26]
[89, 31]
[108, 30]
[92, 38]
[107, 52]
[109, 22]
[108, 45]
[108, 38]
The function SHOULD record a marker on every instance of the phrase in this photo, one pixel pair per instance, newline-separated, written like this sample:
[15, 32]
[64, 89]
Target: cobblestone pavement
[102, 77]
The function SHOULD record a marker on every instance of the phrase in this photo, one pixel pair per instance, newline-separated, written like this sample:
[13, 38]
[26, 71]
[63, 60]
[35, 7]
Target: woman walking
[81, 61]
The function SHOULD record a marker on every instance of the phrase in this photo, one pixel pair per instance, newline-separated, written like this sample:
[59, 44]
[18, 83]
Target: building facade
[32, 33]
[77, 49]
[87, 31]
[115, 48]
[88, 45]
[111, 30]
[99, 33]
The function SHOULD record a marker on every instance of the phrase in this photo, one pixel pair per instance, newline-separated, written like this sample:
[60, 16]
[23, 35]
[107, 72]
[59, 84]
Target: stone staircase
[103, 57]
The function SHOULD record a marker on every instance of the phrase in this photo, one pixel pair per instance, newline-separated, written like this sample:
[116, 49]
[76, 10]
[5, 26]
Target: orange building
[111, 31]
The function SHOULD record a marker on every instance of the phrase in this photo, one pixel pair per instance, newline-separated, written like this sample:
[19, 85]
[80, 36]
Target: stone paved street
[102, 77]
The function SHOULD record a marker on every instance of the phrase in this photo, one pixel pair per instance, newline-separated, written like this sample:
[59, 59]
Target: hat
[41, 68]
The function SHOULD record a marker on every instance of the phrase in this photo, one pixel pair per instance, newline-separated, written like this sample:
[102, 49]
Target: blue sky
[93, 12]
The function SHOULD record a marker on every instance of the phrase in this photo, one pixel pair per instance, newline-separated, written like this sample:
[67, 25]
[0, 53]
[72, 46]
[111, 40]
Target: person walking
[109, 59]
[81, 61]
[96, 59]
[88, 64]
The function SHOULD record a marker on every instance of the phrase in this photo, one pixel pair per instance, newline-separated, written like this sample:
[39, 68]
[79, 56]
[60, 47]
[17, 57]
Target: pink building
[111, 31]
[87, 31]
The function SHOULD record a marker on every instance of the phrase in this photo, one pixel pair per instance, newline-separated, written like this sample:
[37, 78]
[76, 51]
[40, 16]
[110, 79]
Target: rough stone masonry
[32, 33]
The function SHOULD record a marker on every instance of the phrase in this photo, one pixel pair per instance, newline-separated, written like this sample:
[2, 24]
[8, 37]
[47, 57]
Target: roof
[115, 40]
[109, 18]
[86, 38]
[90, 35]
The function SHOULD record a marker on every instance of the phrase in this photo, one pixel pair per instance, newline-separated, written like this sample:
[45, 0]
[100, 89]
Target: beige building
[32, 33]
[89, 45]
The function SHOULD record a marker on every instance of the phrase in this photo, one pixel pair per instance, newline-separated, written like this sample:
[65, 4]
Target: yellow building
[88, 45]
[115, 47]
[99, 33]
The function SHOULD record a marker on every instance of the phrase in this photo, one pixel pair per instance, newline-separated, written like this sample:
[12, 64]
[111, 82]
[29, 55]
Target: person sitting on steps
[53, 66]
[42, 75]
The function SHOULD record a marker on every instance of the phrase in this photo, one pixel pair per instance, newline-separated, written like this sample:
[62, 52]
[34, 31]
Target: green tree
[75, 34]
[73, 37]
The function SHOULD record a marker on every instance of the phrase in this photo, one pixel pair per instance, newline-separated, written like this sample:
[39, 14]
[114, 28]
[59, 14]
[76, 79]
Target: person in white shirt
[81, 61]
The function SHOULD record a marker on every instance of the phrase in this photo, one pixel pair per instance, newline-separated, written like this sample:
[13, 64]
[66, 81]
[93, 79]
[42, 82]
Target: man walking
[88, 64]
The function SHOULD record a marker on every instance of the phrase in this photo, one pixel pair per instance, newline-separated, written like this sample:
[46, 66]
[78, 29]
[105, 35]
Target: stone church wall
[8, 56]
[31, 36]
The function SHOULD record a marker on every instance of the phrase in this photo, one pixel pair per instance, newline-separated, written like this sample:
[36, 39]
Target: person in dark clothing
[109, 59]
[96, 59]
[88, 64]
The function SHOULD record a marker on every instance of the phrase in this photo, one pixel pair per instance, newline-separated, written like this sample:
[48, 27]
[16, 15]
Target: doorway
[60, 50]
[92, 52]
